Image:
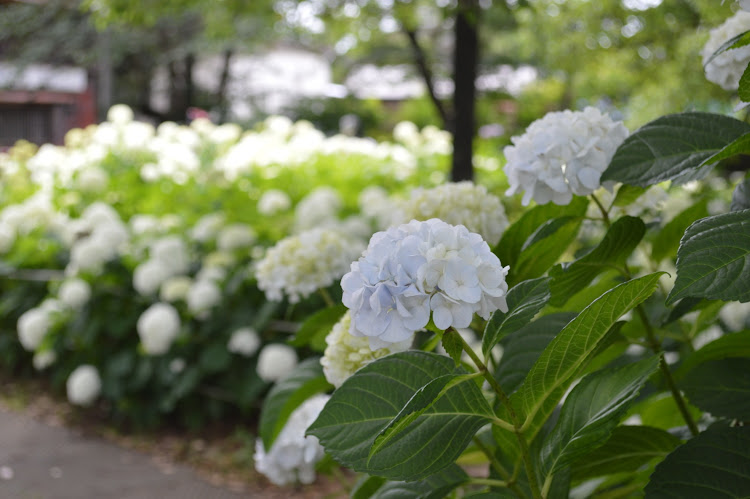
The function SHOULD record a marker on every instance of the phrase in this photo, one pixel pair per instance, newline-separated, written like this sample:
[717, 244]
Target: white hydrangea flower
[203, 295]
[462, 203]
[172, 253]
[319, 207]
[7, 237]
[42, 360]
[175, 288]
[345, 354]
[410, 271]
[74, 293]
[375, 203]
[244, 341]
[177, 365]
[83, 385]
[275, 361]
[273, 201]
[234, 237]
[149, 276]
[92, 179]
[293, 456]
[299, 265]
[726, 69]
[158, 326]
[736, 315]
[33, 325]
[562, 154]
[207, 227]
[744, 5]
[142, 224]
[120, 114]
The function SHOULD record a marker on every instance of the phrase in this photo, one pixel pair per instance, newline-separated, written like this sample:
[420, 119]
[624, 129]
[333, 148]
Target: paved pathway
[41, 462]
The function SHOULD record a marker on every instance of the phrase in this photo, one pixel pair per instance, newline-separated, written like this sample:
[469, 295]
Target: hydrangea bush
[613, 320]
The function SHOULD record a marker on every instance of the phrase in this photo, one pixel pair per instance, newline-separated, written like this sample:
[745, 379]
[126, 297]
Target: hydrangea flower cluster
[726, 69]
[562, 154]
[157, 328]
[293, 456]
[74, 293]
[275, 361]
[462, 203]
[299, 265]
[83, 385]
[274, 201]
[410, 271]
[345, 354]
[244, 341]
[744, 5]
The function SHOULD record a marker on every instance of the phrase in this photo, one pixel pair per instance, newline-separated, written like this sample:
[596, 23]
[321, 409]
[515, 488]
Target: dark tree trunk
[221, 92]
[465, 60]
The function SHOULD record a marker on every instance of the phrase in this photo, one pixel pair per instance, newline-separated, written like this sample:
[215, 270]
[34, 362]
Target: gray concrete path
[41, 462]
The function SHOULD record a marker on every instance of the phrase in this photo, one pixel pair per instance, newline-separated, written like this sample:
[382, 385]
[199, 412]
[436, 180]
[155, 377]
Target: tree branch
[424, 70]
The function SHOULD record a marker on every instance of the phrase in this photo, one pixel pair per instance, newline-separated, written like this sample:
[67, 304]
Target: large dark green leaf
[621, 239]
[591, 411]
[730, 345]
[672, 147]
[713, 465]
[741, 196]
[667, 240]
[568, 353]
[314, 330]
[509, 247]
[628, 448]
[368, 401]
[714, 259]
[721, 387]
[545, 247]
[524, 301]
[435, 486]
[287, 394]
[522, 348]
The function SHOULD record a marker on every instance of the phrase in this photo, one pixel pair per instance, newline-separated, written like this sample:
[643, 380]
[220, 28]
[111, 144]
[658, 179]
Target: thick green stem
[656, 347]
[489, 481]
[505, 400]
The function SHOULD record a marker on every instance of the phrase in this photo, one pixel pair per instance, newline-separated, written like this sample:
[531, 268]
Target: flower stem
[505, 400]
[489, 481]
[327, 297]
[605, 215]
[510, 480]
[656, 347]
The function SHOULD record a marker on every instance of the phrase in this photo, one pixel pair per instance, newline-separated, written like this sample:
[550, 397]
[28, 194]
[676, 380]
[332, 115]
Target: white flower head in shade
[293, 456]
[172, 253]
[83, 385]
[74, 293]
[234, 237]
[375, 203]
[42, 360]
[462, 203]
[158, 326]
[203, 295]
[736, 315]
[744, 5]
[207, 227]
[299, 265]
[244, 341]
[562, 154]
[319, 207]
[411, 271]
[345, 354]
[7, 237]
[175, 288]
[33, 326]
[276, 361]
[726, 69]
[273, 201]
[149, 276]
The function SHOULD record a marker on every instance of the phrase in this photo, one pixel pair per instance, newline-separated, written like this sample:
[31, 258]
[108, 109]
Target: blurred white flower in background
[235, 237]
[274, 201]
[726, 69]
[207, 227]
[410, 271]
[462, 203]
[744, 4]
[83, 385]
[299, 265]
[42, 360]
[345, 354]
[244, 341]
[171, 252]
[158, 326]
[92, 179]
[293, 456]
[319, 207]
[149, 276]
[203, 295]
[275, 361]
[562, 154]
[74, 293]
[7, 237]
[736, 315]
[120, 114]
[33, 325]
[175, 288]
[375, 204]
